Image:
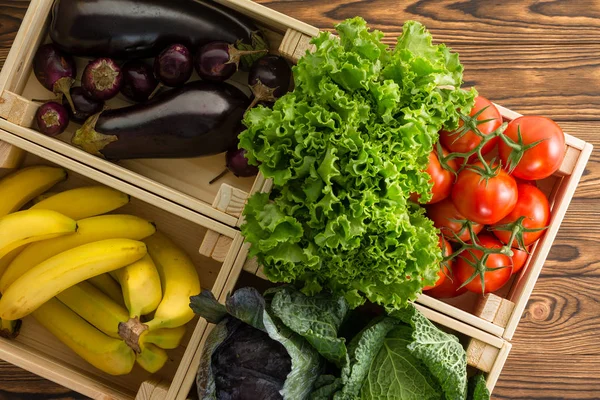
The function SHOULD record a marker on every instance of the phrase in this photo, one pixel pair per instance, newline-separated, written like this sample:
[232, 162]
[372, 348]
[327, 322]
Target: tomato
[484, 201]
[494, 280]
[470, 140]
[449, 288]
[444, 216]
[543, 159]
[446, 251]
[531, 204]
[441, 178]
[519, 259]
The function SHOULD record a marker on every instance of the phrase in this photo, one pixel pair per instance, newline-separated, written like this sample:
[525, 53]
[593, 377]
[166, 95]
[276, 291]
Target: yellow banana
[64, 270]
[84, 202]
[7, 259]
[107, 354]
[20, 228]
[179, 281]
[95, 307]
[90, 230]
[141, 286]
[109, 287]
[165, 338]
[25, 184]
[152, 358]
[9, 329]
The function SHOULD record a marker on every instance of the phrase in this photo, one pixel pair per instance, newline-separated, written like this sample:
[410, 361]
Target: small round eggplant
[52, 118]
[138, 81]
[269, 79]
[84, 106]
[102, 79]
[218, 61]
[173, 66]
[55, 70]
[237, 163]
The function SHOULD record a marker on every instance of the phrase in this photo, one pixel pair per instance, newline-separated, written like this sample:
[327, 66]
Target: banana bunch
[110, 287]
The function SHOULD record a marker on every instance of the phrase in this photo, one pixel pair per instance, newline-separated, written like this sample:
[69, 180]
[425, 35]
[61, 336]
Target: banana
[20, 228]
[90, 230]
[107, 354]
[141, 286]
[9, 329]
[165, 338]
[84, 202]
[64, 270]
[95, 307]
[7, 259]
[179, 281]
[152, 358]
[25, 184]
[109, 287]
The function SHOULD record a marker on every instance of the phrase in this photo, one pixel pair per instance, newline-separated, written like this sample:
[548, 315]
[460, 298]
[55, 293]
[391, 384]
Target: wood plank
[12, 14]
[476, 22]
[547, 376]
[18, 384]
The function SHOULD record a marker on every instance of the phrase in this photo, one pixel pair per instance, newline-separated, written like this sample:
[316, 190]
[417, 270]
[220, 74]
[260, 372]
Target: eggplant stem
[262, 92]
[63, 86]
[216, 178]
[236, 55]
[57, 99]
[156, 90]
[88, 139]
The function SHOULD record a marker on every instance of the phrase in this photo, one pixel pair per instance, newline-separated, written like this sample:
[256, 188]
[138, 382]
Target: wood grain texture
[536, 57]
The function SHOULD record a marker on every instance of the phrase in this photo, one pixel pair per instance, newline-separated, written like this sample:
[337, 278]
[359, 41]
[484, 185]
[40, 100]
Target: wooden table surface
[535, 57]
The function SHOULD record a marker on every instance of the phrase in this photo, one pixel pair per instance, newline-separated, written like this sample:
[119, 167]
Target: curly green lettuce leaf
[345, 151]
[441, 352]
[316, 318]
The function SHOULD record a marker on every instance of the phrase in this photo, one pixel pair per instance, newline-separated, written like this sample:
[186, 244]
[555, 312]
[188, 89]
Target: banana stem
[131, 331]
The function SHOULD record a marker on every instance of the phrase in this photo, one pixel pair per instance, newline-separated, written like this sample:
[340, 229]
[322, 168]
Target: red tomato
[444, 216]
[470, 140]
[484, 201]
[441, 178]
[449, 288]
[519, 259]
[446, 251]
[543, 159]
[531, 204]
[494, 280]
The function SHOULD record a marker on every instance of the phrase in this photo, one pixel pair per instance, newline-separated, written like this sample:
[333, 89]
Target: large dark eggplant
[200, 118]
[143, 28]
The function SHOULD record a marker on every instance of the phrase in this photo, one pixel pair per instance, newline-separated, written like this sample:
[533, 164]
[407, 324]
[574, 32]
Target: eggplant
[198, 119]
[127, 29]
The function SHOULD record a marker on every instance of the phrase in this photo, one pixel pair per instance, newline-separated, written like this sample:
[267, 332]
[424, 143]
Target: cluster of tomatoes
[485, 198]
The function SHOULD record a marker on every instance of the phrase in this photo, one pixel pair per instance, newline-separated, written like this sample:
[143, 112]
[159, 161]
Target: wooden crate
[38, 351]
[486, 353]
[183, 181]
[499, 313]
